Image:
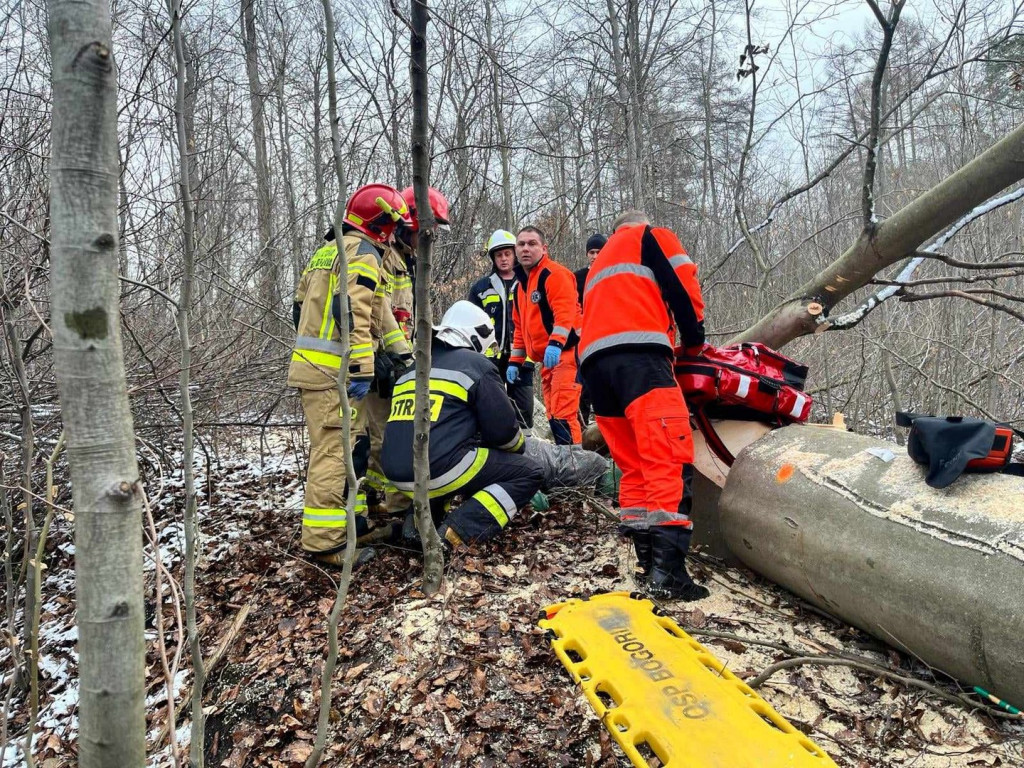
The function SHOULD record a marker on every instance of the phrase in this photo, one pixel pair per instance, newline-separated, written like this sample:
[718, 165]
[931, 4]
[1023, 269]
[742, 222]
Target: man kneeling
[476, 444]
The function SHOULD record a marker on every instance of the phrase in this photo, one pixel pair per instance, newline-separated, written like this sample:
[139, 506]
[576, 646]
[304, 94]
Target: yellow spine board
[652, 684]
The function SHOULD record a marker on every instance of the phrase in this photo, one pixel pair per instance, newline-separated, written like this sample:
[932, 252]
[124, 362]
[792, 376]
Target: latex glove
[512, 374]
[552, 355]
[358, 388]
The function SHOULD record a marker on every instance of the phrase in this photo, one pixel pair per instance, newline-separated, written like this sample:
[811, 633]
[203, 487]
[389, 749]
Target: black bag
[951, 445]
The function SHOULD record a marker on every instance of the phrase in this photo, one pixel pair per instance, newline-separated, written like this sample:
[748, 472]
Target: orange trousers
[561, 393]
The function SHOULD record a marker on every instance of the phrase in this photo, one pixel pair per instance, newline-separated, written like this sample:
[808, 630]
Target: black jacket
[469, 409]
[489, 294]
[581, 282]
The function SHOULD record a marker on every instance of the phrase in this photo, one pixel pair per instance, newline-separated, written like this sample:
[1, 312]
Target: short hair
[630, 217]
[531, 228]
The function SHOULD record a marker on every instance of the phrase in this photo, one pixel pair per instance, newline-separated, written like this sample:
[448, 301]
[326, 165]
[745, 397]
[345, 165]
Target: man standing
[641, 284]
[594, 245]
[546, 315]
[371, 216]
[494, 294]
[476, 444]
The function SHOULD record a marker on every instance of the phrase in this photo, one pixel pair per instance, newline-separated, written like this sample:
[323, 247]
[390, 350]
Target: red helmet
[438, 204]
[375, 210]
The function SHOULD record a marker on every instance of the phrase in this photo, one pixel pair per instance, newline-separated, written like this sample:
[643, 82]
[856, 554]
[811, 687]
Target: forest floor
[465, 678]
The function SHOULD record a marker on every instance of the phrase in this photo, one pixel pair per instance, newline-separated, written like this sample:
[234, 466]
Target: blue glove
[512, 374]
[358, 388]
[552, 355]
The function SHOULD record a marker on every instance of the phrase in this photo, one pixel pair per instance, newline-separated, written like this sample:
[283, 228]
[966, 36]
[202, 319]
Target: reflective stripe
[559, 331]
[634, 518]
[491, 299]
[449, 375]
[518, 353]
[403, 282]
[393, 337]
[363, 269]
[362, 350]
[619, 269]
[456, 477]
[514, 443]
[798, 407]
[325, 359]
[315, 517]
[496, 500]
[436, 385]
[322, 345]
[327, 321]
[663, 517]
[625, 338]
[677, 261]
[744, 386]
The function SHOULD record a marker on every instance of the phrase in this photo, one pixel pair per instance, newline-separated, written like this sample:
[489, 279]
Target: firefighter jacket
[490, 295]
[402, 292]
[388, 335]
[641, 276]
[546, 311]
[316, 358]
[469, 410]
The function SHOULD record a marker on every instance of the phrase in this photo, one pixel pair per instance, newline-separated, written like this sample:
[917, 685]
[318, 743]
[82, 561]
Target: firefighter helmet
[375, 210]
[499, 239]
[438, 204]
[466, 325]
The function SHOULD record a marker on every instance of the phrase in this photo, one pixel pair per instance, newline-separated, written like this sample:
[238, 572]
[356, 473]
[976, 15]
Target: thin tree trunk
[626, 103]
[269, 267]
[346, 412]
[499, 119]
[197, 743]
[433, 557]
[89, 364]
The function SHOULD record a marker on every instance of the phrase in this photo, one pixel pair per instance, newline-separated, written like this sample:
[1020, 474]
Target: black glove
[383, 375]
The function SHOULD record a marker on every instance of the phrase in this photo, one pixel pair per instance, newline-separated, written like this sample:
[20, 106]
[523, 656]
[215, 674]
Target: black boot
[669, 579]
[644, 556]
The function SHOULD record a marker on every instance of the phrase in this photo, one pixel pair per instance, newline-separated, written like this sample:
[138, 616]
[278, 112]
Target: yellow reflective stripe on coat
[492, 299]
[359, 268]
[327, 323]
[393, 337]
[493, 506]
[325, 359]
[318, 517]
[436, 385]
[362, 350]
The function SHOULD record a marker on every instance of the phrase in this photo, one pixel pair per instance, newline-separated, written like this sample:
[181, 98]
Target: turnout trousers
[377, 411]
[642, 416]
[562, 399]
[494, 486]
[324, 515]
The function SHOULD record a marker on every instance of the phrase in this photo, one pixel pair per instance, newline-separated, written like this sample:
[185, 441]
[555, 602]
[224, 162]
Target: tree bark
[806, 310]
[433, 557]
[269, 267]
[197, 743]
[90, 373]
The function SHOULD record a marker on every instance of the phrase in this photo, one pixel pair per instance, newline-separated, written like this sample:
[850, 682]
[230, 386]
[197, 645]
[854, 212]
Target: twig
[864, 666]
[37, 566]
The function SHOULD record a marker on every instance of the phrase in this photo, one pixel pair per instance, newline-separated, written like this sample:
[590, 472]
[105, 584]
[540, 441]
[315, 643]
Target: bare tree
[93, 393]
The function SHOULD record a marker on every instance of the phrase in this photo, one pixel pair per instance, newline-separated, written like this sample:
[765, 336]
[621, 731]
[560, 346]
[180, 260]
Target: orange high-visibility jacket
[640, 276]
[546, 310]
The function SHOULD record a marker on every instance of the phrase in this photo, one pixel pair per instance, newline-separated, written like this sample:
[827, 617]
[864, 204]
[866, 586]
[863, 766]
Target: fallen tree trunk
[935, 573]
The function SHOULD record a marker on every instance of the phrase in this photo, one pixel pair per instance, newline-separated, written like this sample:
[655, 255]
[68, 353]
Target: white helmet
[466, 325]
[500, 238]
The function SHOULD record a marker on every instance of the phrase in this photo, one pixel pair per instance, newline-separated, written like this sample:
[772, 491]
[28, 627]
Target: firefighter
[476, 444]
[494, 294]
[642, 287]
[546, 315]
[594, 245]
[371, 216]
[394, 353]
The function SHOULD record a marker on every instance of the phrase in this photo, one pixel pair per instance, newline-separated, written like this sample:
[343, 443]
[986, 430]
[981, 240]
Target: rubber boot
[644, 556]
[669, 579]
